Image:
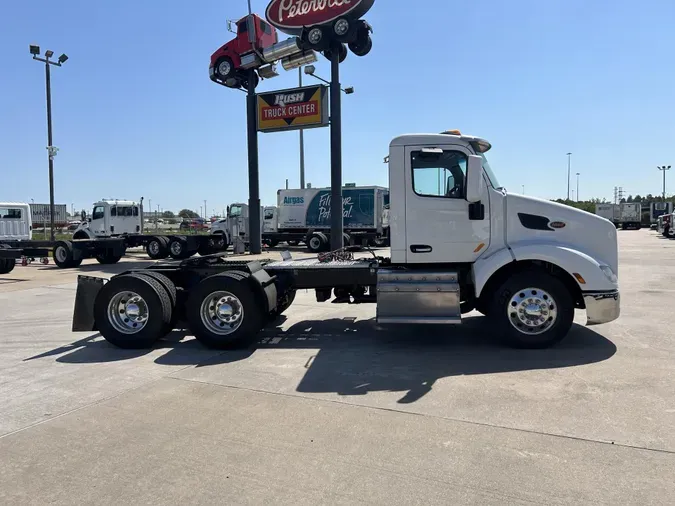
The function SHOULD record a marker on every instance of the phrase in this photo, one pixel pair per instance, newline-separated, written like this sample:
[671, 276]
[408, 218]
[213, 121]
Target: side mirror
[83, 215]
[88, 220]
[475, 184]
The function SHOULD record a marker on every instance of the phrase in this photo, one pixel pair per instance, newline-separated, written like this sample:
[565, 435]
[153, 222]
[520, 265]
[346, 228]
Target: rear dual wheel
[222, 311]
[158, 248]
[64, 255]
[134, 310]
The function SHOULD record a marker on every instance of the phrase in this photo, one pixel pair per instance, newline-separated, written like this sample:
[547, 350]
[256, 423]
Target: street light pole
[569, 168]
[302, 142]
[663, 169]
[523, 189]
[578, 173]
[205, 212]
[35, 51]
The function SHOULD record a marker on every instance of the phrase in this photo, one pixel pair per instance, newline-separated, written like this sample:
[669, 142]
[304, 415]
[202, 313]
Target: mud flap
[83, 314]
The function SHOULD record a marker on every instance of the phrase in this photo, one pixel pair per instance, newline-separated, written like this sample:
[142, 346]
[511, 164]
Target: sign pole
[336, 237]
[255, 239]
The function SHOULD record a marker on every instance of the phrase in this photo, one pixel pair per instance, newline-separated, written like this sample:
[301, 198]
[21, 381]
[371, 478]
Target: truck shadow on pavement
[354, 357]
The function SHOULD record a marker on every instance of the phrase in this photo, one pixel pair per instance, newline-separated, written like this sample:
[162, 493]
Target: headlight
[607, 271]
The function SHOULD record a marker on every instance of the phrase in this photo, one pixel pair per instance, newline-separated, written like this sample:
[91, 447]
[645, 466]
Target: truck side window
[135, 210]
[243, 27]
[113, 211]
[439, 174]
[265, 27]
[98, 213]
[269, 214]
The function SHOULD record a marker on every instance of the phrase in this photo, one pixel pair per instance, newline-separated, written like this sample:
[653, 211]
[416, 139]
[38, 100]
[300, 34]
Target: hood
[530, 218]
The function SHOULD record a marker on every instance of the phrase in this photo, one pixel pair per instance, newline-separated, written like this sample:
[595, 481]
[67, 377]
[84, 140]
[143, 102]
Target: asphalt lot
[329, 409]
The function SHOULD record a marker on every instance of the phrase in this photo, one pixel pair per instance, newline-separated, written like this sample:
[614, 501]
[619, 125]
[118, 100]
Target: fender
[84, 230]
[565, 257]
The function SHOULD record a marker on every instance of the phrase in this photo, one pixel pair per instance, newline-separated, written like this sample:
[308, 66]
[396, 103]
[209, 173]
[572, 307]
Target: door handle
[420, 248]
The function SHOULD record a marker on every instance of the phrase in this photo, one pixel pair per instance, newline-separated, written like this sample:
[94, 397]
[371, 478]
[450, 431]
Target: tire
[111, 302]
[536, 287]
[283, 305]
[245, 310]
[361, 48]
[108, 258]
[6, 264]
[273, 243]
[63, 255]
[178, 249]
[316, 242]
[320, 44]
[156, 249]
[292, 243]
[221, 64]
[346, 240]
[171, 291]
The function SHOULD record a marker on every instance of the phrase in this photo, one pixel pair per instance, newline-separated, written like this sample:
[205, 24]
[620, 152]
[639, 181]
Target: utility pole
[302, 143]
[569, 168]
[523, 189]
[664, 168]
[35, 51]
[205, 212]
[578, 173]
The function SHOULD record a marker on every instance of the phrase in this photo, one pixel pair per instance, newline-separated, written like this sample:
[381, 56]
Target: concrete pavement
[327, 408]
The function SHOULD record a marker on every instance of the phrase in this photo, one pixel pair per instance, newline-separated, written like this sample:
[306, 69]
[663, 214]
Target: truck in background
[41, 215]
[630, 215]
[657, 209]
[609, 212]
[305, 215]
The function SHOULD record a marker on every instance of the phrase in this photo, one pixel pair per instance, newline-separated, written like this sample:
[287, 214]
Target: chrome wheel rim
[176, 248]
[532, 311]
[224, 68]
[61, 254]
[128, 312]
[315, 36]
[154, 248]
[341, 27]
[222, 313]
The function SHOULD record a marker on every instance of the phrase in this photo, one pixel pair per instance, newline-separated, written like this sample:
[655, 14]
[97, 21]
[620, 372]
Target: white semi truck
[460, 245]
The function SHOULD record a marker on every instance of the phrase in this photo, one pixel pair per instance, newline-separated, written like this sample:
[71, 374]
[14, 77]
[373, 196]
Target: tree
[187, 213]
[168, 214]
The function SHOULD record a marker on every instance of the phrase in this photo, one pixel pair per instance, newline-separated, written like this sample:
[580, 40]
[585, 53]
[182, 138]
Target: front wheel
[316, 242]
[532, 309]
[225, 68]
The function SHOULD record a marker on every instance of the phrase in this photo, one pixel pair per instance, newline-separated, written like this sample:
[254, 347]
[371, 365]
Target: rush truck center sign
[293, 109]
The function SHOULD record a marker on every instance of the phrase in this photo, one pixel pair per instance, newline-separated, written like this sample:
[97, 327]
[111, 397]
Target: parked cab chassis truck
[114, 226]
[458, 245]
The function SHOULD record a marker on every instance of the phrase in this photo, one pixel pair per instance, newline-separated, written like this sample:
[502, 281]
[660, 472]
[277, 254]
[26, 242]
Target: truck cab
[227, 60]
[448, 208]
[15, 221]
[110, 218]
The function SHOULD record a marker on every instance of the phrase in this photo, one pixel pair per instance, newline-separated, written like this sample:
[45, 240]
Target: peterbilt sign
[290, 16]
[293, 109]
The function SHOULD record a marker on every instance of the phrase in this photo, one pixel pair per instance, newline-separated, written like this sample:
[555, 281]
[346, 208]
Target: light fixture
[310, 69]
[63, 58]
[349, 90]
[49, 53]
[34, 50]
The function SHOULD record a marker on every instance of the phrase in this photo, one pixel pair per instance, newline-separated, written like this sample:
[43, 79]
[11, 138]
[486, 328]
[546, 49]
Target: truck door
[439, 228]
[98, 223]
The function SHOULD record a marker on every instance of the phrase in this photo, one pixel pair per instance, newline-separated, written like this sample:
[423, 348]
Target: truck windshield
[235, 211]
[488, 170]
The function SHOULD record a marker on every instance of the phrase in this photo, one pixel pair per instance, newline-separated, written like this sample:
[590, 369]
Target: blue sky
[135, 113]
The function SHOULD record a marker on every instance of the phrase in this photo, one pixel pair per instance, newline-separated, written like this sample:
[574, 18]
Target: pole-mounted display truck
[460, 245]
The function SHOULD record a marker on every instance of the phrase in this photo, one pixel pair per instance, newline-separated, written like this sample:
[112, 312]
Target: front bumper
[602, 307]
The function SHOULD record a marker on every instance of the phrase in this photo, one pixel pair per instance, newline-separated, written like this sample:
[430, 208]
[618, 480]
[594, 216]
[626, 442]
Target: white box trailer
[41, 215]
[609, 212]
[630, 215]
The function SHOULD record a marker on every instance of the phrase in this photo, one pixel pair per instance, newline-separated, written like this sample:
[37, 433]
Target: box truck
[609, 212]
